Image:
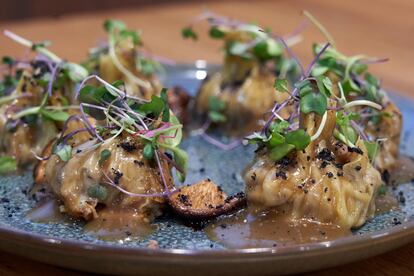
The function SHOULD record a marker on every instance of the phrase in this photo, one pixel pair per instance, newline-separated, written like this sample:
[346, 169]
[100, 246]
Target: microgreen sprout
[149, 122]
[117, 33]
[254, 42]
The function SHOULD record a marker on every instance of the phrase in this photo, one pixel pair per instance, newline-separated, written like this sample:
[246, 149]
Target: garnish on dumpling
[235, 97]
[36, 97]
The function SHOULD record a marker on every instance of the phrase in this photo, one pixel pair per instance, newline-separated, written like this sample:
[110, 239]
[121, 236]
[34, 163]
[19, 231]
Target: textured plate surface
[67, 245]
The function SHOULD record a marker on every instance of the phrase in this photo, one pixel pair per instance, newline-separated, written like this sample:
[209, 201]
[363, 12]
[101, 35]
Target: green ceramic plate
[183, 250]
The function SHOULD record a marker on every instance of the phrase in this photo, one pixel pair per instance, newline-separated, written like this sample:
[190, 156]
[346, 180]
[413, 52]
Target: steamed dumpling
[327, 182]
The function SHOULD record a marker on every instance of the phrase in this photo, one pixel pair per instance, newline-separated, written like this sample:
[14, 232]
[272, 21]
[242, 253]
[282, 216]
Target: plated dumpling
[36, 99]
[118, 157]
[327, 181]
[351, 72]
[236, 96]
[123, 58]
[318, 163]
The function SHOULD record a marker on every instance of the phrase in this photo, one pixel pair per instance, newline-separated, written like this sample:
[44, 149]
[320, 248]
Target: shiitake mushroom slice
[204, 200]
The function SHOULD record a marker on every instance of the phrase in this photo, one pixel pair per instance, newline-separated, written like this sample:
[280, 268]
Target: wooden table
[381, 28]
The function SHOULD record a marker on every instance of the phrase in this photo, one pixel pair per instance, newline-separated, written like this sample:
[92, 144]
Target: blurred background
[24, 9]
[381, 28]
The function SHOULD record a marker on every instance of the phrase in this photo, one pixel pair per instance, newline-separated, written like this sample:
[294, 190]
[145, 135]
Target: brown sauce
[248, 228]
[113, 225]
[118, 225]
[252, 229]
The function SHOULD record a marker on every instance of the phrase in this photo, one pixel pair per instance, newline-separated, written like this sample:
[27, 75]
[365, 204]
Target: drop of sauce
[252, 229]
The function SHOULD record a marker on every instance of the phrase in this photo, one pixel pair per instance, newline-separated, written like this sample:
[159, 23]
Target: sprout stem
[321, 127]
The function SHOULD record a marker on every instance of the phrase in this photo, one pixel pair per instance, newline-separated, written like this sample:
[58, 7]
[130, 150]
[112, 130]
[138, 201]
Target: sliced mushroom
[204, 200]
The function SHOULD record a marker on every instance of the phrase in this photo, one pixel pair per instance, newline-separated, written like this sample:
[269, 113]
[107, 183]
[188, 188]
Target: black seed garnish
[339, 174]
[396, 221]
[330, 174]
[253, 176]
[356, 150]
[184, 199]
[358, 168]
[339, 166]
[401, 197]
[118, 176]
[285, 162]
[325, 154]
[128, 146]
[139, 163]
[324, 164]
[281, 174]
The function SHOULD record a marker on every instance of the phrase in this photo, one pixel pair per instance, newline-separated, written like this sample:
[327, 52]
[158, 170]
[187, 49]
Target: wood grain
[381, 28]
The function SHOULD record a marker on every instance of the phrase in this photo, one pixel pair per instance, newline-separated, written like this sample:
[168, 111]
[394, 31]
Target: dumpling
[118, 157]
[36, 101]
[80, 182]
[235, 97]
[358, 84]
[327, 181]
[123, 59]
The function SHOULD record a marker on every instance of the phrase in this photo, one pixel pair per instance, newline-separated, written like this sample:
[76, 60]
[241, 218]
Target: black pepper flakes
[253, 176]
[281, 174]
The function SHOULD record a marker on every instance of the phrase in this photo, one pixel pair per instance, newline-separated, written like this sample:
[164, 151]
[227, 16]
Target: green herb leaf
[313, 102]
[188, 32]
[281, 85]
[216, 117]
[43, 44]
[155, 106]
[267, 49]
[98, 191]
[372, 148]
[174, 142]
[133, 35]
[111, 24]
[328, 84]
[7, 164]
[215, 32]
[148, 151]
[256, 138]
[76, 72]
[276, 139]
[181, 158]
[279, 127]
[299, 138]
[55, 115]
[382, 191]
[166, 111]
[105, 154]
[215, 104]
[280, 151]
[64, 152]
[7, 60]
